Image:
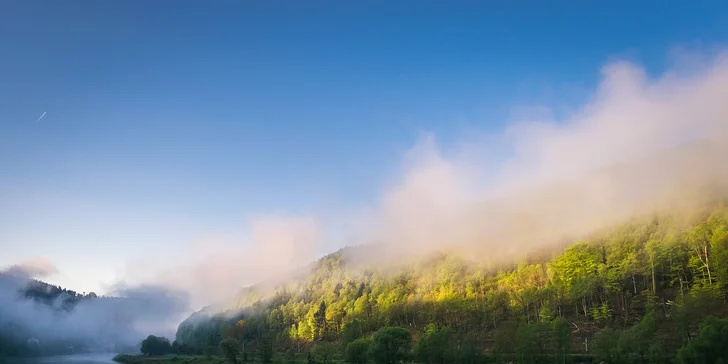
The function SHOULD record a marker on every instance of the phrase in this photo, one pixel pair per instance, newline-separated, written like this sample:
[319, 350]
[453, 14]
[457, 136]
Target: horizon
[139, 142]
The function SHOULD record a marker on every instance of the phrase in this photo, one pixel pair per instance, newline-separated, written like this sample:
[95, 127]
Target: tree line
[17, 340]
[635, 293]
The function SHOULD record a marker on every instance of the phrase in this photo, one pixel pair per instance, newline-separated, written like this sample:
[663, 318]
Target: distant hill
[648, 283]
[37, 318]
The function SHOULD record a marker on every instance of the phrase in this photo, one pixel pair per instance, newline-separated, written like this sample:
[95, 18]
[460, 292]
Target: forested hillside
[637, 292]
[37, 318]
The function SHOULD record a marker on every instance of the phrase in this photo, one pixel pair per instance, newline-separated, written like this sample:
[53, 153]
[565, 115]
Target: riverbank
[196, 359]
[169, 359]
[88, 358]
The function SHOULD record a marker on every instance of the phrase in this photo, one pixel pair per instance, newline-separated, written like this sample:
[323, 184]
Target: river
[71, 359]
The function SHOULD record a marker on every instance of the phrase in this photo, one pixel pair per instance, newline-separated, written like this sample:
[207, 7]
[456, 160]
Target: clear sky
[167, 121]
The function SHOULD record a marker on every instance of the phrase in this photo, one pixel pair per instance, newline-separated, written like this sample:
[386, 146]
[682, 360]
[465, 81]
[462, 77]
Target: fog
[102, 324]
[215, 269]
[640, 144]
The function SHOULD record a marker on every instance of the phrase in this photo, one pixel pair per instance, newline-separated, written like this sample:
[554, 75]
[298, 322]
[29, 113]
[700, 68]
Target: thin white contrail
[41, 117]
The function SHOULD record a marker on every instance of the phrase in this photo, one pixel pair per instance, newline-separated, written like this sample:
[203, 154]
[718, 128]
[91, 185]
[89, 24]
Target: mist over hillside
[641, 143]
[369, 183]
[37, 318]
[606, 218]
[642, 153]
[638, 289]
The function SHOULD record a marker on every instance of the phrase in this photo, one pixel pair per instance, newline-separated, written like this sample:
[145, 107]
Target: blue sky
[168, 121]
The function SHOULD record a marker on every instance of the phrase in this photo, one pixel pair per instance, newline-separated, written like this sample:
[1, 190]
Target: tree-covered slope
[37, 318]
[636, 291]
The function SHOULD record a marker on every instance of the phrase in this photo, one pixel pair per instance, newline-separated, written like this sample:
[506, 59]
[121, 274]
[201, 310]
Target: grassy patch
[199, 359]
[169, 359]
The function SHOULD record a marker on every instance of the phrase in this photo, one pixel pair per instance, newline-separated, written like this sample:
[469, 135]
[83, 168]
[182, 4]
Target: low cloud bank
[214, 270]
[641, 144]
[62, 320]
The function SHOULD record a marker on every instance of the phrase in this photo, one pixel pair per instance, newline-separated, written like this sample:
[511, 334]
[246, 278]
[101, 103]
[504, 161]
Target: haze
[185, 158]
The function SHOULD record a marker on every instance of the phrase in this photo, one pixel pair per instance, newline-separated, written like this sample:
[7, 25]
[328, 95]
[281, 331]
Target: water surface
[73, 359]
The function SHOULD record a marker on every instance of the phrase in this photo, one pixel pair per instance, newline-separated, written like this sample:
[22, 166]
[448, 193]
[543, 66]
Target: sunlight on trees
[632, 293]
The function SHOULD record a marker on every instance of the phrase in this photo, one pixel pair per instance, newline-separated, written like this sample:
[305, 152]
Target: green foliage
[601, 313]
[436, 346]
[357, 351]
[390, 345]
[319, 322]
[605, 346]
[505, 338]
[561, 334]
[640, 341]
[470, 351]
[531, 344]
[167, 359]
[710, 346]
[230, 347]
[692, 309]
[576, 272]
[323, 351]
[650, 281]
[352, 330]
[155, 345]
[290, 357]
[638, 344]
[266, 349]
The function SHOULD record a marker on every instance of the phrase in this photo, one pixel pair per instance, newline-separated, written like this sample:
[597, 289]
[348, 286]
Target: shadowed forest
[18, 340]
[652, 290]
[39, 319]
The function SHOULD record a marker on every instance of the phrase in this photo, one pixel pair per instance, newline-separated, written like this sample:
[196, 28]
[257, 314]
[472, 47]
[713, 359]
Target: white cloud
[34, 268]
[213, 269]
[639, 145]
